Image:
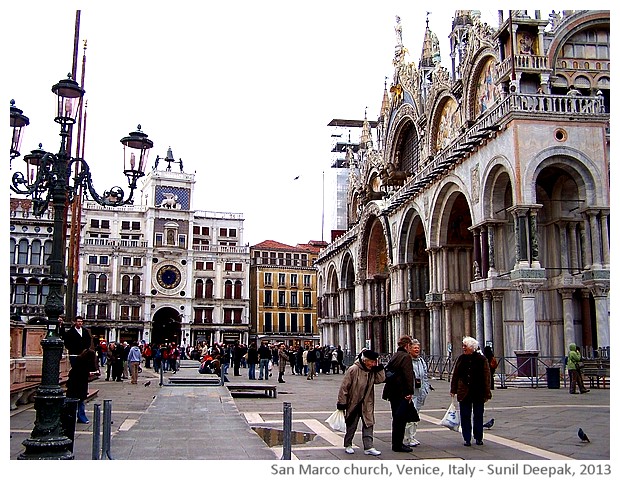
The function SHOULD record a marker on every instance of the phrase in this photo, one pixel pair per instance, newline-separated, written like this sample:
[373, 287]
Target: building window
[198, 290]
[136, 283]
[237, 292]
[90, 310]
[205, 231]
[238, 267]
[135, 225]
[91, 286]
[125, 225]
[200, 265]
[102, 311]
[137, 262]
[268, 298]
[159, 239]
[228, 287]
[124, 312]
[22, 255]
[268, 327]
[293, 323]
[307, 281]
[228, 316]
[209, 288]
[182, 241]
[103, 260]
[307, 323]
[281, 279]
[294, 301]
[282, 322]
[125, 282]
[20, 293]
[103, 283]
[307, 300]
[94, 223]
[281, 299]
[126, 261]
[35, 253]
[228, 266]
[268, 280]
[208, 265]
[135, 313]
[293, 280]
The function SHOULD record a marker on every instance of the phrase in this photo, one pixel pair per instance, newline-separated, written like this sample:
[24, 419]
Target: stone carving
[170, 201]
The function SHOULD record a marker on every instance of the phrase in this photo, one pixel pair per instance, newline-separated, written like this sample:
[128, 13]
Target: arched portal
[166, 326]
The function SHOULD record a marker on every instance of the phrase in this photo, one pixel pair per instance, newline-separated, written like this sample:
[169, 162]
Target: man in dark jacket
[77, 339]
[264, 355]
[399, 389]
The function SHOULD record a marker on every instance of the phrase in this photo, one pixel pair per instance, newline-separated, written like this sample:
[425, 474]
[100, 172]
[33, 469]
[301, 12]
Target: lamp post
[48, 179]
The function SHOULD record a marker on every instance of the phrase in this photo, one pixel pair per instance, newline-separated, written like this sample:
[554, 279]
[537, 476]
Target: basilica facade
[478, 202]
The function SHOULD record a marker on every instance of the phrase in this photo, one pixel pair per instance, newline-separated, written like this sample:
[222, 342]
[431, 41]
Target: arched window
[35, 252]
[22, 252]
[92, 283]
[20, 291]
[47, 251]
[198, 291]
[408, 150]
[209, 288]
[136, 285]
[125, 281]
[228, 289]
[45, 290]
[32, 292]
[237, 293]
[13, 247]
[103, 283]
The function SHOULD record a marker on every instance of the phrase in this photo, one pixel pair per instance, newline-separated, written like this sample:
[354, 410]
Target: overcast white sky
[242, 91]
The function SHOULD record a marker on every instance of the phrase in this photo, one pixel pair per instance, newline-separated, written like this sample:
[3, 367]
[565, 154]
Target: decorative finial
[139, 127]
[12, 102]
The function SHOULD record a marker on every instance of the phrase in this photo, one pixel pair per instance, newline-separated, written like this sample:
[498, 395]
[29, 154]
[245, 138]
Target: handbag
[579, 365]
[337, 421]
[407, 411]
[451, 418]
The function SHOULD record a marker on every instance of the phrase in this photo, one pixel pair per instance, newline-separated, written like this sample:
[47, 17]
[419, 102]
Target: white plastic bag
[452, 418]
[270, 365]
[337, 422]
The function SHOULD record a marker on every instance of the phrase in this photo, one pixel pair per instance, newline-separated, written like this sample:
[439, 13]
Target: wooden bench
[597, 371]
[22, 393]
[268, 390]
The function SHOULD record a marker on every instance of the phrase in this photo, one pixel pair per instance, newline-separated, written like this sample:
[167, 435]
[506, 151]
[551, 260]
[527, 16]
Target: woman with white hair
[471, 383]
[421, 389]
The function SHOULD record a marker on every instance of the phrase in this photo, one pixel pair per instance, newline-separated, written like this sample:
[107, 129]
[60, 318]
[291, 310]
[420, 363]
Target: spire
[430, 48]
[366, 137]
[385, 103]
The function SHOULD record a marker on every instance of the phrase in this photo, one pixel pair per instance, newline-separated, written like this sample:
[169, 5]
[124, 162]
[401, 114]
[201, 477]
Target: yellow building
[283, 287]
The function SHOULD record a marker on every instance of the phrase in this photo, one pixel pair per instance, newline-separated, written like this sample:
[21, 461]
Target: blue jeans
[252, 371]
[81, 412]
[466, 409]
[263, 367]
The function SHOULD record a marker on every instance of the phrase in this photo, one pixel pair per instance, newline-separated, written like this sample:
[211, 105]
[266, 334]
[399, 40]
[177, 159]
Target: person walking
[77, 383]
[264, 355]
[304, 360]
[357, 398]
[490, 356]
[134, 357]
[109, 361]
[572, 362]
[311, 357]
[399, 389]
[117, 363]
[421, 387]
[252, 360]
[282, 359]
[77, 339]
[471, 383]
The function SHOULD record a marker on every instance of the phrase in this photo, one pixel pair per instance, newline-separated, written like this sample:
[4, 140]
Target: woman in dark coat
[399, 390]
[77, 384]
[471, 383]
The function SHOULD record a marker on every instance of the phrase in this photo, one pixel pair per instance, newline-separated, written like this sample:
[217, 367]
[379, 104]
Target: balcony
[115, 242]
[221, 249]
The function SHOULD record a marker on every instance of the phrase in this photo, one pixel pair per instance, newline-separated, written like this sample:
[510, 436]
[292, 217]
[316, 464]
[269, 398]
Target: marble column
[601, 303]
[595, 234]
[568, 316]
[447, 309]
[605, 237]
[479, 313]
[586, 319]
[586, 244]
[498, 322]
[528, 301]
[435, 329]
[488, 317]
[484, 237]
[467, 319]
[572, 241]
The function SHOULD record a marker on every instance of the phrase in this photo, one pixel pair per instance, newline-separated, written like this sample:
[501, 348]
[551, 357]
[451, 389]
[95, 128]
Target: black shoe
[467, 444]
[586, 390]
[402, 448]
[479, 442]
[281, 381]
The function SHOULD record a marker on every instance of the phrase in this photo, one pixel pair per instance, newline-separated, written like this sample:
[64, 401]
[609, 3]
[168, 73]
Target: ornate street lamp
[18, 121]
[48, 179]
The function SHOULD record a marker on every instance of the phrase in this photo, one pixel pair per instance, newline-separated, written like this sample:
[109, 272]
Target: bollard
[161, 376]
[287, 430]
[107, 429]
[68, 418]
[95, 455]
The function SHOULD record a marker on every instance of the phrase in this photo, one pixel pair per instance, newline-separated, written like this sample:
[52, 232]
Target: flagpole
[323, 209]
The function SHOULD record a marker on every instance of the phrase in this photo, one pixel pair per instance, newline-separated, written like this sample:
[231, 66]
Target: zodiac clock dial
[168, 277]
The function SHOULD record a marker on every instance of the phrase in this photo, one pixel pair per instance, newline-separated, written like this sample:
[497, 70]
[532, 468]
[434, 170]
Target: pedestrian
[264, 355]
[304, 360]
[399, 389]
[334, 361]
[147, 353]
[299, 360]
[77, 383]
[134, 357]
[490, 356]
[421, 388]
[471, 383]
[125, 354]
[572, 362]
[157, 357]
[117, 363]
[77, 339]
[282, 359]
[109, 361]
[340, 357]
[238, 353]
[357, 398]
[311, 357]
[252, 360]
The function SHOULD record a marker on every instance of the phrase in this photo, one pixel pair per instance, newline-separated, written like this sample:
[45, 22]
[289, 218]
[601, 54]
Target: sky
[241, 91]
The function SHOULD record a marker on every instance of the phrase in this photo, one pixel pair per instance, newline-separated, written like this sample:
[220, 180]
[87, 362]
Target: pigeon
[296, 178]
[489, 424]
[147, 383]
[582, 435]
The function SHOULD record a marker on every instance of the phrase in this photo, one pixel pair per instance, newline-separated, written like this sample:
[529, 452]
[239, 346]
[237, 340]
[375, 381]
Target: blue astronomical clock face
[168, 277]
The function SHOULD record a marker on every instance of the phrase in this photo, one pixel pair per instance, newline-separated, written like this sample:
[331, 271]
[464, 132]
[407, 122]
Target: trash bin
[553, 377]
